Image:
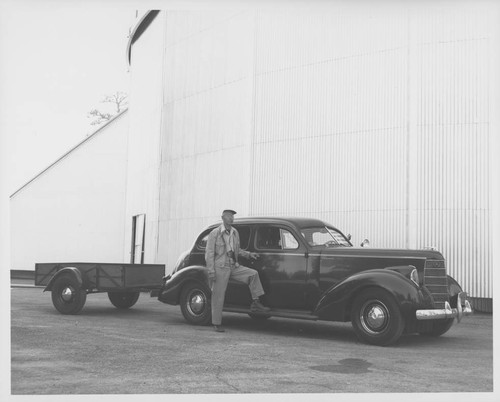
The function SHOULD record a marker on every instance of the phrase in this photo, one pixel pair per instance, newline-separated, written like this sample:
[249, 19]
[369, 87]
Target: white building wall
[330, 120]
[143, 180]
[73, 211]
[207, 115]
[385, 125]
[376, 119]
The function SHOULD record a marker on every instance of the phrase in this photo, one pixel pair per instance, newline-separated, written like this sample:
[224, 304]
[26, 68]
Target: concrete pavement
[151, 349]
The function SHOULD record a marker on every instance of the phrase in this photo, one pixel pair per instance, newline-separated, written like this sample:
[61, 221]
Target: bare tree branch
[119, 99]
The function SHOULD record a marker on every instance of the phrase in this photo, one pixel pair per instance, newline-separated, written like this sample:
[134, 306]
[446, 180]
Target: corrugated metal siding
[143, 178]
[374, 119]
[206, 124]
[331, 117]
[382, 129]
[451, 176]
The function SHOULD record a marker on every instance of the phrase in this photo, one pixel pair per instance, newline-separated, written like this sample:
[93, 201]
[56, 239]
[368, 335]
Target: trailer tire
[67, 295]
[123, 300]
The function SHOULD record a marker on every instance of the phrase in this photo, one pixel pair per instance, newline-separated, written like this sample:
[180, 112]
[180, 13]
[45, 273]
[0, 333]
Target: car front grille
[436, 281]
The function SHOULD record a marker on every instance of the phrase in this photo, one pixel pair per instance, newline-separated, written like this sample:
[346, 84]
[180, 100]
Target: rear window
[275, 238]
[244, 232]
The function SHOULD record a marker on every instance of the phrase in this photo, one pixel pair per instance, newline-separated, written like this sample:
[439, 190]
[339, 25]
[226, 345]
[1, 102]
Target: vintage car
[310, 270]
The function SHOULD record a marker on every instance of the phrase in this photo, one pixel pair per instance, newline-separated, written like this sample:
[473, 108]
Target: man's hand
[254, 255]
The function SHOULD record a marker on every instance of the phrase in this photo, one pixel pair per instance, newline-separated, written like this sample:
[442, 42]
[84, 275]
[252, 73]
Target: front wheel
[123, 300]
[195, 304]
[67, 295]
[376, 317]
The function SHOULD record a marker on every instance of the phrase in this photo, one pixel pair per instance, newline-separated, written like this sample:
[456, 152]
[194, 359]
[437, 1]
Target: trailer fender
[71, 270]
[336, 302]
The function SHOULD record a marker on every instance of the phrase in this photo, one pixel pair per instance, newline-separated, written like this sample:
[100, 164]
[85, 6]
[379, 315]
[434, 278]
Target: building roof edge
[137, 31]
[69, 152]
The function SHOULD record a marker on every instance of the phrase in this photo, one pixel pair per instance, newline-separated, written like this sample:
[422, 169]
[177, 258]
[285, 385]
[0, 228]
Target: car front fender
[170, 292]
[453, 289]
[71, 270]
[335, 304]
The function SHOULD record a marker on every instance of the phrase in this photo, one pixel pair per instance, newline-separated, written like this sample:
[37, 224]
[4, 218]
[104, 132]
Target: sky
[57, 61]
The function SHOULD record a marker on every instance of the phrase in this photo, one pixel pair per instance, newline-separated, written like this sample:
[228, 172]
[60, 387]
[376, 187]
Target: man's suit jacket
[216, 252]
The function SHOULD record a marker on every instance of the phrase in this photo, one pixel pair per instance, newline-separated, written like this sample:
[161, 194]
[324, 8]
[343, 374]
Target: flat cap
[228, 211]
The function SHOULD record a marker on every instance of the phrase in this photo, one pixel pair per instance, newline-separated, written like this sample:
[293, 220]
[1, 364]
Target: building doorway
[138, 234]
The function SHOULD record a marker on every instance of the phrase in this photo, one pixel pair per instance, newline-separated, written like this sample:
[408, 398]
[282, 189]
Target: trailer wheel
[67, 295]
[123, 300]
[195, 304]
[376, 317]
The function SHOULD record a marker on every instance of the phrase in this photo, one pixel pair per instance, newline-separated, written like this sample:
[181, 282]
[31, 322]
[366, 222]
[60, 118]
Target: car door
[282, 266]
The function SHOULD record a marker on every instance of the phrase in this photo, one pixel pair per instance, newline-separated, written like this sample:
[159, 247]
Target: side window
[244, 232]
[288, 241]
[275, 238]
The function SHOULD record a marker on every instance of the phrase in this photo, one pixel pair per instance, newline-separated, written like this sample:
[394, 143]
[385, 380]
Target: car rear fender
[170, 292]
[71, 270]
[335, 305]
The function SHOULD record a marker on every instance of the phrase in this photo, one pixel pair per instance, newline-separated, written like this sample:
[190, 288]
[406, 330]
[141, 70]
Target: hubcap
[374, 317]
[67, 294]
[196, 302]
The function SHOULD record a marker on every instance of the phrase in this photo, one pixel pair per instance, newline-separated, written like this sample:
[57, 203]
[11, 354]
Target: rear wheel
[123, 300]
[376, 317]
[195, 304]
[439, 328]
[67, 295]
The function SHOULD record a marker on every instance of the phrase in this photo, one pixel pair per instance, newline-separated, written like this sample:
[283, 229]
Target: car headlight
[414, 276]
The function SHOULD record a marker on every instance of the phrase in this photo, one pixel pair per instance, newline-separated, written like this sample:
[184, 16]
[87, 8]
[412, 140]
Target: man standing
[221, 255]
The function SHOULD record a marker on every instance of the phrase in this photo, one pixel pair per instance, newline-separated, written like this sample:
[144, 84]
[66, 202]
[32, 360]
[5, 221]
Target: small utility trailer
[71, 282]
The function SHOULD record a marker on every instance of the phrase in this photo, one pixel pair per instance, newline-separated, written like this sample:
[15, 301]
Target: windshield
[323, 236]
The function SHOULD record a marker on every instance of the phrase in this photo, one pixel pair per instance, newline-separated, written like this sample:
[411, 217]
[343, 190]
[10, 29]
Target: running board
[273, 313]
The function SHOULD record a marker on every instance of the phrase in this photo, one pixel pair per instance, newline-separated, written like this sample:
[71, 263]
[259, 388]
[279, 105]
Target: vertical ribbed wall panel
[452, 134]
[374, 120]
[206, 124]
[145, 111]
[382, 129]
[330, 122]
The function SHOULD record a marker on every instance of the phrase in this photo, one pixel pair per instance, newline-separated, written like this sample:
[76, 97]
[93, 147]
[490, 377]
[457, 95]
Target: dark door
[138, 234]
[281, 266]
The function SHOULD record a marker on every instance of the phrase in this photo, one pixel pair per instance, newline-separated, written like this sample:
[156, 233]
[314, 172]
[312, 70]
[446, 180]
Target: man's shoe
[218, 328]
[257, 306]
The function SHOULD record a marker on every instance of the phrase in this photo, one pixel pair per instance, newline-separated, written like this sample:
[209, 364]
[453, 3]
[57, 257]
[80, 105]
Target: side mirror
[365, 243]
[349, 237]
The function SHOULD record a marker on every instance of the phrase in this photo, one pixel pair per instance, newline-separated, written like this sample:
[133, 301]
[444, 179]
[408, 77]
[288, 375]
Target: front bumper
[463, 308]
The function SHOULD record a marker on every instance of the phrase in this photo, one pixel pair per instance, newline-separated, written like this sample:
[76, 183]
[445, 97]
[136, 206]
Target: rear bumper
[463, 308]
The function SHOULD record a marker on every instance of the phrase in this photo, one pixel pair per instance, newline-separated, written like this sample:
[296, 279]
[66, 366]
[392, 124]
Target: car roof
[298, 222]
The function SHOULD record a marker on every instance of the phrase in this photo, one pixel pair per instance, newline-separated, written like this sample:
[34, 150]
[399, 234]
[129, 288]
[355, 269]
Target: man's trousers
[222, 275]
